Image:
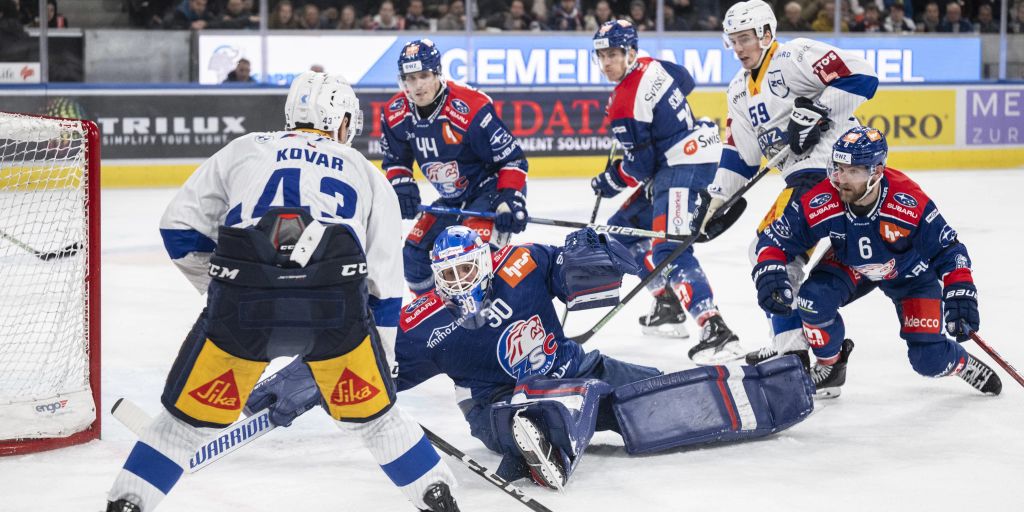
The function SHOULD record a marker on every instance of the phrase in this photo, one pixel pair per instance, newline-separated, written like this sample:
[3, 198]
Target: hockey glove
[806, 123]
[961, 301]
[288, 393]
[510, 205]
[609, 183]
[774, 291]
[703, 222]
[408, 195]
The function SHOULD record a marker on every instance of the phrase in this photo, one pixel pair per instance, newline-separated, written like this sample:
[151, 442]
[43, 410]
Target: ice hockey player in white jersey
[785, 95]
[296, 240]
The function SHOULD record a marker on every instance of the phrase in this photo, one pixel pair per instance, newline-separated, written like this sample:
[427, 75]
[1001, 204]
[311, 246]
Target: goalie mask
[461, 263]
[322, 102]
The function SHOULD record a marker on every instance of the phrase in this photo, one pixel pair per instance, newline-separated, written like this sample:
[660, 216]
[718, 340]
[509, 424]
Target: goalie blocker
[704, 405]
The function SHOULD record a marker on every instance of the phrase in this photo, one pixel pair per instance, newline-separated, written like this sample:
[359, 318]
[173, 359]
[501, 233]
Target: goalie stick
[247, 430]
[68, 250]
[688, 241]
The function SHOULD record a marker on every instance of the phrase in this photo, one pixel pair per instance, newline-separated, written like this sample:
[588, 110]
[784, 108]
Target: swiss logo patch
[690, 147]
[922, 316]
[351, 389]
[830, 67]
[221, 392]
[517, 267]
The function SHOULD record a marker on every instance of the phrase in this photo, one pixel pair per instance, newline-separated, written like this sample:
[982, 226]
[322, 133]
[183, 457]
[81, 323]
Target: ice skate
[666, 318]
[546, 464]
[980, 376]
[718, 344]
[439, 498]
[122, 505]
[829, 379]
[767, 353]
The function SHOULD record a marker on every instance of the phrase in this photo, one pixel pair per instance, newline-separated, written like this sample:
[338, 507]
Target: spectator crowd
[900, 16]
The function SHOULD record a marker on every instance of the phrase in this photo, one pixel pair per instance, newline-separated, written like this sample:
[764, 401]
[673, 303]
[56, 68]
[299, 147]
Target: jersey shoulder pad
[821, 203]
[904, 200]
[514, 263]
[420, 309]
[623, 100]
[396, 109]
[463, 103]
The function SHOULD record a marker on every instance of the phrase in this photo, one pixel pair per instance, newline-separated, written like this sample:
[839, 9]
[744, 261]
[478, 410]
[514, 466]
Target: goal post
[49, 283]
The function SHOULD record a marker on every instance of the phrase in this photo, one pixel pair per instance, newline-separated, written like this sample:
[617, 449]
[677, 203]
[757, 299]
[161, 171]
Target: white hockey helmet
[322, 101]
[752, 14]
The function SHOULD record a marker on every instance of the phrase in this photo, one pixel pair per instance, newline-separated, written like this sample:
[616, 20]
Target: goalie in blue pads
[534, 395]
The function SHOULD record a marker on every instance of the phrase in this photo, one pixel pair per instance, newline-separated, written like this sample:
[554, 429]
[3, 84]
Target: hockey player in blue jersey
[293, 237]
[671, 156]
[887, 234]
[534, 395]
[463, 149]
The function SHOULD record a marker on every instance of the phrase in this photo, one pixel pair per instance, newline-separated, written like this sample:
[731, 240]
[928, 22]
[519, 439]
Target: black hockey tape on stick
[484, 473]
[998, 358]
[68, 250]
[686, 244]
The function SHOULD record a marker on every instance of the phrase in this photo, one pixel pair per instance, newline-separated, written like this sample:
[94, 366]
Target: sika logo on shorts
[921, 316]
[218, 385]
[352, 384]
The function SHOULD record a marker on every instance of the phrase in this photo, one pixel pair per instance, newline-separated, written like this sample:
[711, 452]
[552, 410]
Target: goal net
[49, 283]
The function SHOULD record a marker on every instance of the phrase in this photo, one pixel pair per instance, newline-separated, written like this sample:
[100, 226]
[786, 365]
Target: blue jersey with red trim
[522, 336]
[901, 237]
[461, 145]
[652, 120]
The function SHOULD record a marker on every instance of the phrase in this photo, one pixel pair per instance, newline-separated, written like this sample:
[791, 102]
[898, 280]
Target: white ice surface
[893, 441]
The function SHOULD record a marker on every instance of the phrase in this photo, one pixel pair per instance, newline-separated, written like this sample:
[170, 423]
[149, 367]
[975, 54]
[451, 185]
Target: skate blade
[727, 353]
[677, 331]
[526, 435]
[828, 393]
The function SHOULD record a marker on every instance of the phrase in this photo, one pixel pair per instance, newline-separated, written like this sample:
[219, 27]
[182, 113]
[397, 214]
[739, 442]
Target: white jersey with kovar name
[760, 105]
[259, 171]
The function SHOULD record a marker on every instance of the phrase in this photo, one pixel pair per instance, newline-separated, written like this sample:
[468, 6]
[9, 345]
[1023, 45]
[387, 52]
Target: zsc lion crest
[525, 348]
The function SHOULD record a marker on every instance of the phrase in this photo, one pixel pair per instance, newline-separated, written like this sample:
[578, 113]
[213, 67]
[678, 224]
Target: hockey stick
[475, 467]
[687, 243]
[69, 250]
[600, 228]
[998, 358]
[227, 440]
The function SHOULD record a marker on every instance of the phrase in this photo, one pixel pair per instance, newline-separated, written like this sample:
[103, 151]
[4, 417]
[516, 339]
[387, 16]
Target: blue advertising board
[529, 60]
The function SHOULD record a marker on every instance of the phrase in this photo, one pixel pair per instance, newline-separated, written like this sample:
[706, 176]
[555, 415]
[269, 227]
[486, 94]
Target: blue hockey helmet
[461, 264]
[419, 55]
[861, 149]
[616, 34]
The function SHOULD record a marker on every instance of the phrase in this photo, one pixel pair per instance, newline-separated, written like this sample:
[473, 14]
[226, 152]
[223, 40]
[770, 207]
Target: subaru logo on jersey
[396, 105]
[417, 303]
[460, 106]
[819, 200]
[446, 178]
[782, 228]
[905, 199]
[526, 349]
[500, 139]
[777, 83]
[947, 236]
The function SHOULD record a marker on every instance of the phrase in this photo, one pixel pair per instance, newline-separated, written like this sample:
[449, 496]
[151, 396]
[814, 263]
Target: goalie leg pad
[713, 404]
[563, 410]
